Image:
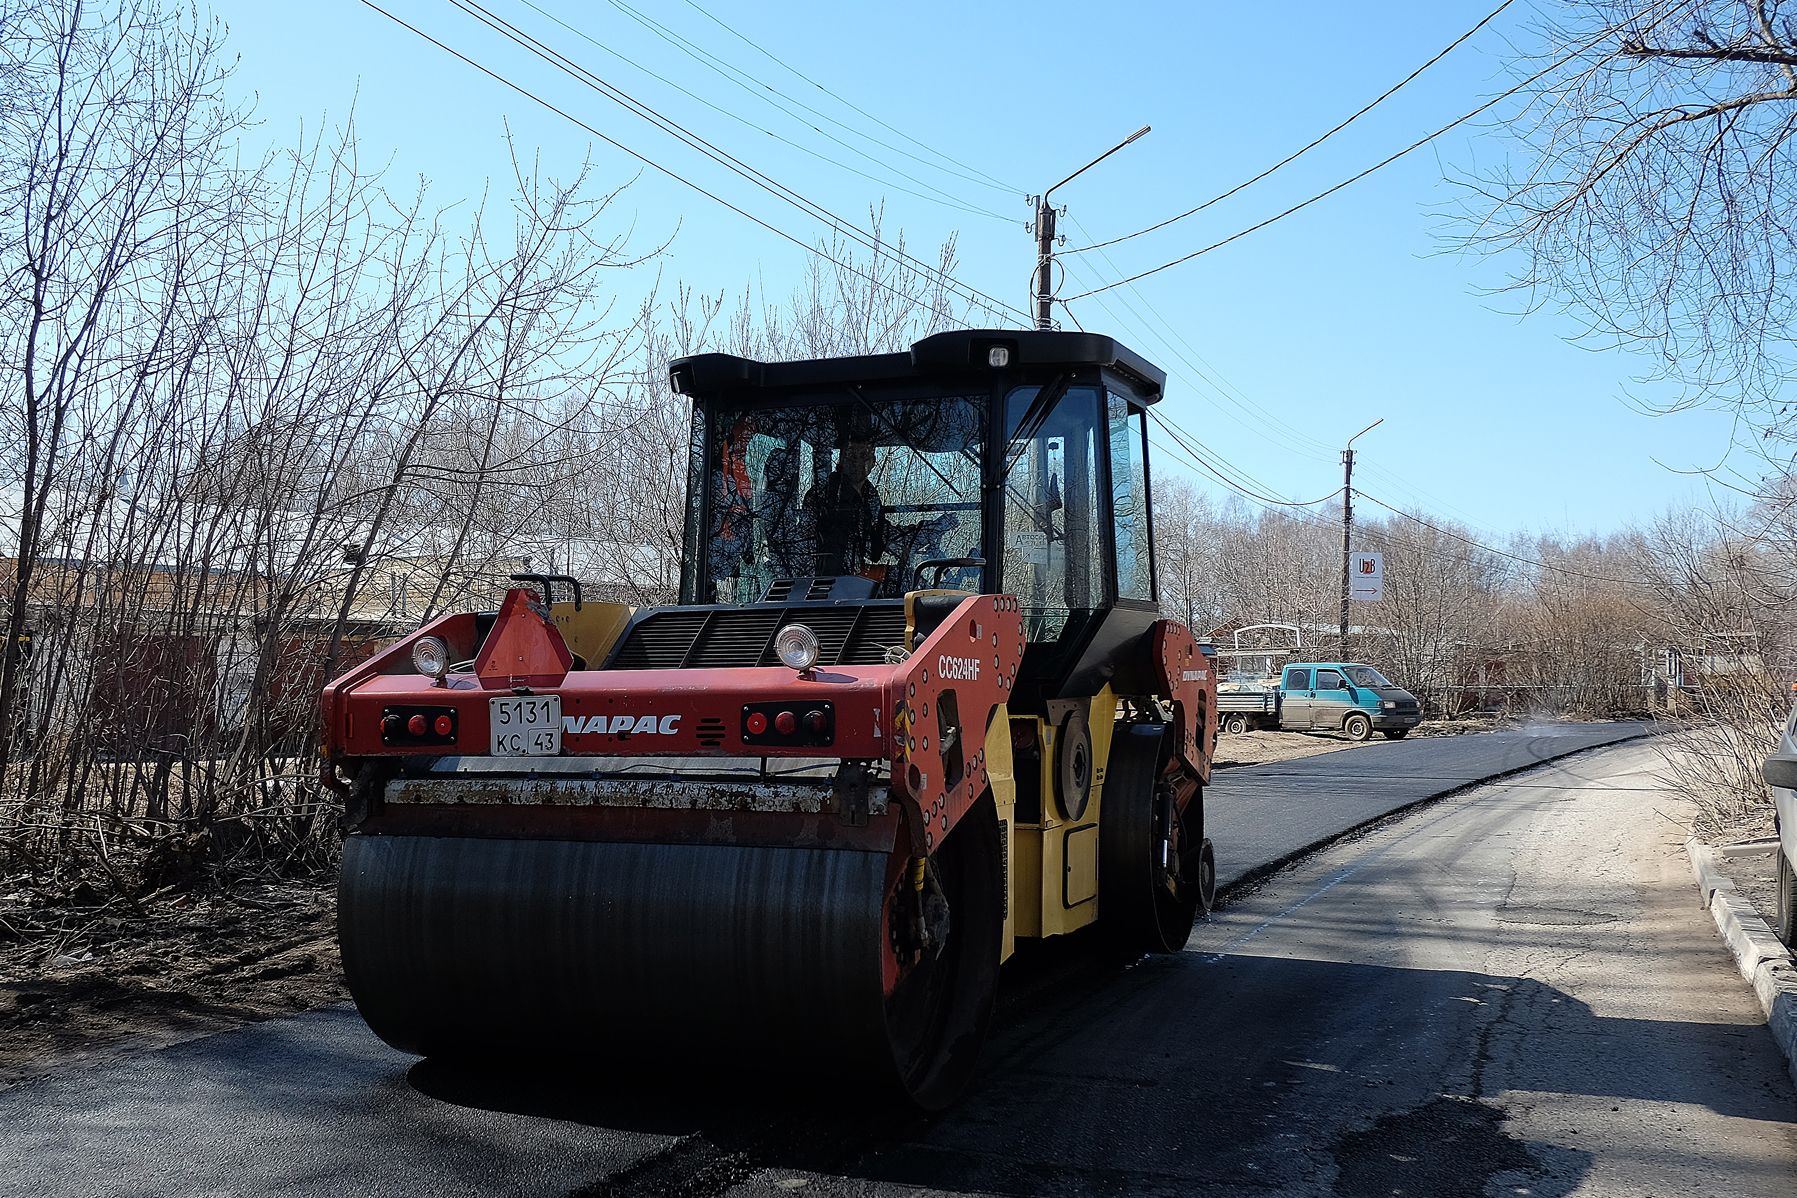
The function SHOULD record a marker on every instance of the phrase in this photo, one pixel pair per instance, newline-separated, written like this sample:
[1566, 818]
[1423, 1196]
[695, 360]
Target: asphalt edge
[1260, 873]
[1763, 960]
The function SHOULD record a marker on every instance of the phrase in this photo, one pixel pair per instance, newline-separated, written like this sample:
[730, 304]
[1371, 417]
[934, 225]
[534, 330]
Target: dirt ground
[85, 978]
[85, 981]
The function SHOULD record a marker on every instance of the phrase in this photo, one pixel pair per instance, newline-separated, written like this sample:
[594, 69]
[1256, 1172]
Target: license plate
[526, 725]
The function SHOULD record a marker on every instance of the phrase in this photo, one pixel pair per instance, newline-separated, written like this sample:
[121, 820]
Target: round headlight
[430, 656]
[796, 646]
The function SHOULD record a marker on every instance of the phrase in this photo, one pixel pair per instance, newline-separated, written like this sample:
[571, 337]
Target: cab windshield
[1367, 676]
[848, 485]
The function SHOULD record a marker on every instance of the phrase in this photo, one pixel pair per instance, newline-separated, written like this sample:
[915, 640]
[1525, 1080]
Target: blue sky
[1280, 345]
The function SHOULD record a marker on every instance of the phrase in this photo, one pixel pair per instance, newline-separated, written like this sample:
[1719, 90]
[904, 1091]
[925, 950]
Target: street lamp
[1045, 234]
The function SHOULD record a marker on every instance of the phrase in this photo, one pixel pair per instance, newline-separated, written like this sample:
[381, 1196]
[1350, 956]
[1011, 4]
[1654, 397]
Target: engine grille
[722, 637]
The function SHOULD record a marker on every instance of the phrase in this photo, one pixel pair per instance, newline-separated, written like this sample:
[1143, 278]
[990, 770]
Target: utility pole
[1044, 229]
[1044, 263]
[1348, 526]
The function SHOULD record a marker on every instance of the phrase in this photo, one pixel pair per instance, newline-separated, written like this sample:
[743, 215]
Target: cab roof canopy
[957, 355]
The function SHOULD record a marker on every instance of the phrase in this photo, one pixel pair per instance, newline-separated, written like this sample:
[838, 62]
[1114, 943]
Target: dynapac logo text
[617, 725]
[959, 669]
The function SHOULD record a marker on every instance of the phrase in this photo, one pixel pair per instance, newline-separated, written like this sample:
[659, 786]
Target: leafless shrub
[265, 415]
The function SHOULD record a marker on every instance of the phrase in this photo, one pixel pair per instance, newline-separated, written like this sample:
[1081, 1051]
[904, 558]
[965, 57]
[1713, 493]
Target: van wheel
[1235, 725]
[1787, 901]
[1357, 727]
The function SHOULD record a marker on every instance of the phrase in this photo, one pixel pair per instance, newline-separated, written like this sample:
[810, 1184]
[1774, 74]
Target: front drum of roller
[715, 956]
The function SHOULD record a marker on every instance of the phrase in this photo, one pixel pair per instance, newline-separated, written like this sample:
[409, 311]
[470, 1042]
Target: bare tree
[114, 135]
[1653, 195]
[257, 405]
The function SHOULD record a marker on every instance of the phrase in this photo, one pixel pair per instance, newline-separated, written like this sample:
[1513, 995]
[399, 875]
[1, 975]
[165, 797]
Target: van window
[1330, 680]
[1297, 680]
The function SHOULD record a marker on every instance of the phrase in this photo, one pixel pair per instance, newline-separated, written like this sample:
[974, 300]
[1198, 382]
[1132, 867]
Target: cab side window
[1055, 547]
[1330, 680]
[1129, 501]
[1297, 680]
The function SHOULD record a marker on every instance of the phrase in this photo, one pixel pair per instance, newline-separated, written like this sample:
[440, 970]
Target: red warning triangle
[525, 648]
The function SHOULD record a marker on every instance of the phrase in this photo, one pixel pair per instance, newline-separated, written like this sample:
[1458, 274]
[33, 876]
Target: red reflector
[786, 723]
[445, 725]
[416, 725]
[815, 722]
[756, 723]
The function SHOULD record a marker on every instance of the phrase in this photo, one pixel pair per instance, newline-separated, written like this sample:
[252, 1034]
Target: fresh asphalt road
[1262, 815]
[1511, 991]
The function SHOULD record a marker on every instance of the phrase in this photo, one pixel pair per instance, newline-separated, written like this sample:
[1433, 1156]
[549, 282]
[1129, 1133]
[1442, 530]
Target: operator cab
[991, 461]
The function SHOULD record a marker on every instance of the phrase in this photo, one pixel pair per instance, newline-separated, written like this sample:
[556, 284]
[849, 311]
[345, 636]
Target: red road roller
[916, 703]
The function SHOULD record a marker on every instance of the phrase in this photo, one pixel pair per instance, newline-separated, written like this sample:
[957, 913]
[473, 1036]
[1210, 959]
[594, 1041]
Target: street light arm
[1363, 432]
[1044, 230]
[1082, 170]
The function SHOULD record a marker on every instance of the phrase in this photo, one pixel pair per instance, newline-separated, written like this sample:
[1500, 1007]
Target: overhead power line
[762, 91]
[671, 174]
[1301, 513]
[1254, 417]
[1186, 440]
[938, 197]
[723, 158]
[1353, 179]
[976, 176]
[1303, 150]
[1515, 557]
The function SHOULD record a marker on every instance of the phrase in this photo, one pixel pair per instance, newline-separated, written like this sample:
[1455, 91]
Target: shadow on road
[1188, 1074]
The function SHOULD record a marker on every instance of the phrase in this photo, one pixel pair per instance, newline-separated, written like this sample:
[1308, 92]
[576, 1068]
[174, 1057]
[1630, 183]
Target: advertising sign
[1366, 576]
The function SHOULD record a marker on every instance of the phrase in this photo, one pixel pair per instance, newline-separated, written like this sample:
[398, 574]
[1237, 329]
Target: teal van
[1357, 700]
[1323, 696]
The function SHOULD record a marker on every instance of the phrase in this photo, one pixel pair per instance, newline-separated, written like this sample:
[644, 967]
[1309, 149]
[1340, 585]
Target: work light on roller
[430, 657]
[796, 647]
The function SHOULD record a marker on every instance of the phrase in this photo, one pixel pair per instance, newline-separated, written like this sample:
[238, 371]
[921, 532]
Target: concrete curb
[1764, 962]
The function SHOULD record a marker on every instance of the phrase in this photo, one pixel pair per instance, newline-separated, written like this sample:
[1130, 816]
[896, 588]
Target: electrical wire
[979, 176]
[1275, 430]
[1231, 393]
[1299, 153]
[1350, 181]
[723, 158]
[960, 204]
[643, 158]
[1186, 441]
[1300, 513]
[1516, 557]
[731, 72]
[1216, 464]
